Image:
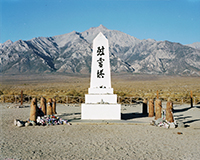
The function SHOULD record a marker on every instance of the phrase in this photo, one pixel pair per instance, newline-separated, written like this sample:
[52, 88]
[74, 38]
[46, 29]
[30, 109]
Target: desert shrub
[120, 93]
[74, 92]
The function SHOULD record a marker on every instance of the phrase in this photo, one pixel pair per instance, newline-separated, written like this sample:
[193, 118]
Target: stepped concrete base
[101, 112]
[97, 98]
[100, 90]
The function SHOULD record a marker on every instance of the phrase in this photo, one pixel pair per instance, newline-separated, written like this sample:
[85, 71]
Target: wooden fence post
[33, 111]
[118, 99]
[21, 97]
[66, 99]
[49, 107]
[43, 105]
[157, 95]
[15, 99]
[169, 113]
[80, 100]
[54, 106]
[151, 108]
[29, 99]
[3, 99]
[191, 99]
[158, 109]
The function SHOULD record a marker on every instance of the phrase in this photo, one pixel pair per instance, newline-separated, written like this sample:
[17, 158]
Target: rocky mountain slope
[71, 53]
[194, 45]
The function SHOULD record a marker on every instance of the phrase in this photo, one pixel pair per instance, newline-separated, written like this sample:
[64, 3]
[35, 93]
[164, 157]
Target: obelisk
[100, 102]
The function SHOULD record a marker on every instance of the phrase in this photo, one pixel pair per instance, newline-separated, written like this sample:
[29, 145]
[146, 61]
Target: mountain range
[71, 53]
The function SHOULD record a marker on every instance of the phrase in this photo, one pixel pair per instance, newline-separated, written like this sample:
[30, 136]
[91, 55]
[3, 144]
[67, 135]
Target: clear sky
[172, 20]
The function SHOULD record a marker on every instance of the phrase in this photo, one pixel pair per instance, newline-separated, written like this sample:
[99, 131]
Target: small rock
[27, 124]
[15, 121]
[181, 125]
[152, 123]
[172, 125]
[158, 121]
[19, 124]
[166, 125]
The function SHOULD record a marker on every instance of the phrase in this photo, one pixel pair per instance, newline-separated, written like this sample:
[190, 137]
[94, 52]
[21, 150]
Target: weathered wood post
[158, 109]
[79, 100]
[43, 105]
[33, 111]
[157, 95]
[118, 99]
[66, 99]
[169, 113]
[54, 106]
[49, 107]
[15, 99]
[3, 99]
[21, 97]
[151, 108]
[29, 98]
[191, 99]
[144, 107]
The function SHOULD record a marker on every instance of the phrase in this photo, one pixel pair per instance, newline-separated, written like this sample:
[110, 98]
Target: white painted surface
[89, 98]
[100, 53]
[100, 112]
[100, 90]
[100, 103]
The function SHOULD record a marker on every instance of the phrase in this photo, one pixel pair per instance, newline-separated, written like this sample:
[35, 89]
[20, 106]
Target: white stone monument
[100, 102]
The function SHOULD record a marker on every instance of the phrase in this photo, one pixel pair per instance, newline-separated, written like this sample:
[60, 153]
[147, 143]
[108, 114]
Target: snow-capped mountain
[71, 53]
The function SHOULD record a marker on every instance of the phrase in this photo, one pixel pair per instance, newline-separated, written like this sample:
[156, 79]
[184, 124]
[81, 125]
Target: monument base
[106, 98]
[101, 112]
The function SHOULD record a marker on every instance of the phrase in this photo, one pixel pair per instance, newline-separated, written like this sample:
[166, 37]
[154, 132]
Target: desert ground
[131, 138]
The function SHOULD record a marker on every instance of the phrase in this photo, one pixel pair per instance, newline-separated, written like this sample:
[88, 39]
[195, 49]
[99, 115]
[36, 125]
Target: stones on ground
[158, 121]
[181, 125]
[27, 124]
[163, 123]
[19, 124]
[15, 121]
[44, 121]
[172, 125]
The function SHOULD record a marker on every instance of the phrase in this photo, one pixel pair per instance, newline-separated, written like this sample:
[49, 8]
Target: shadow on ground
[181, 110]
[128, 116]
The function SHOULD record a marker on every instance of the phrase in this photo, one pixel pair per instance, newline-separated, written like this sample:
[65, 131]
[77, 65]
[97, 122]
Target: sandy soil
[135, 140]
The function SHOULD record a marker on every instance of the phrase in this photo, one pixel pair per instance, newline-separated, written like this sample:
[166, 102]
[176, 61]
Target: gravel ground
[99, 141]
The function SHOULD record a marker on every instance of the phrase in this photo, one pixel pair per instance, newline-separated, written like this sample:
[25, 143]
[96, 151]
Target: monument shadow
[128, 116]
